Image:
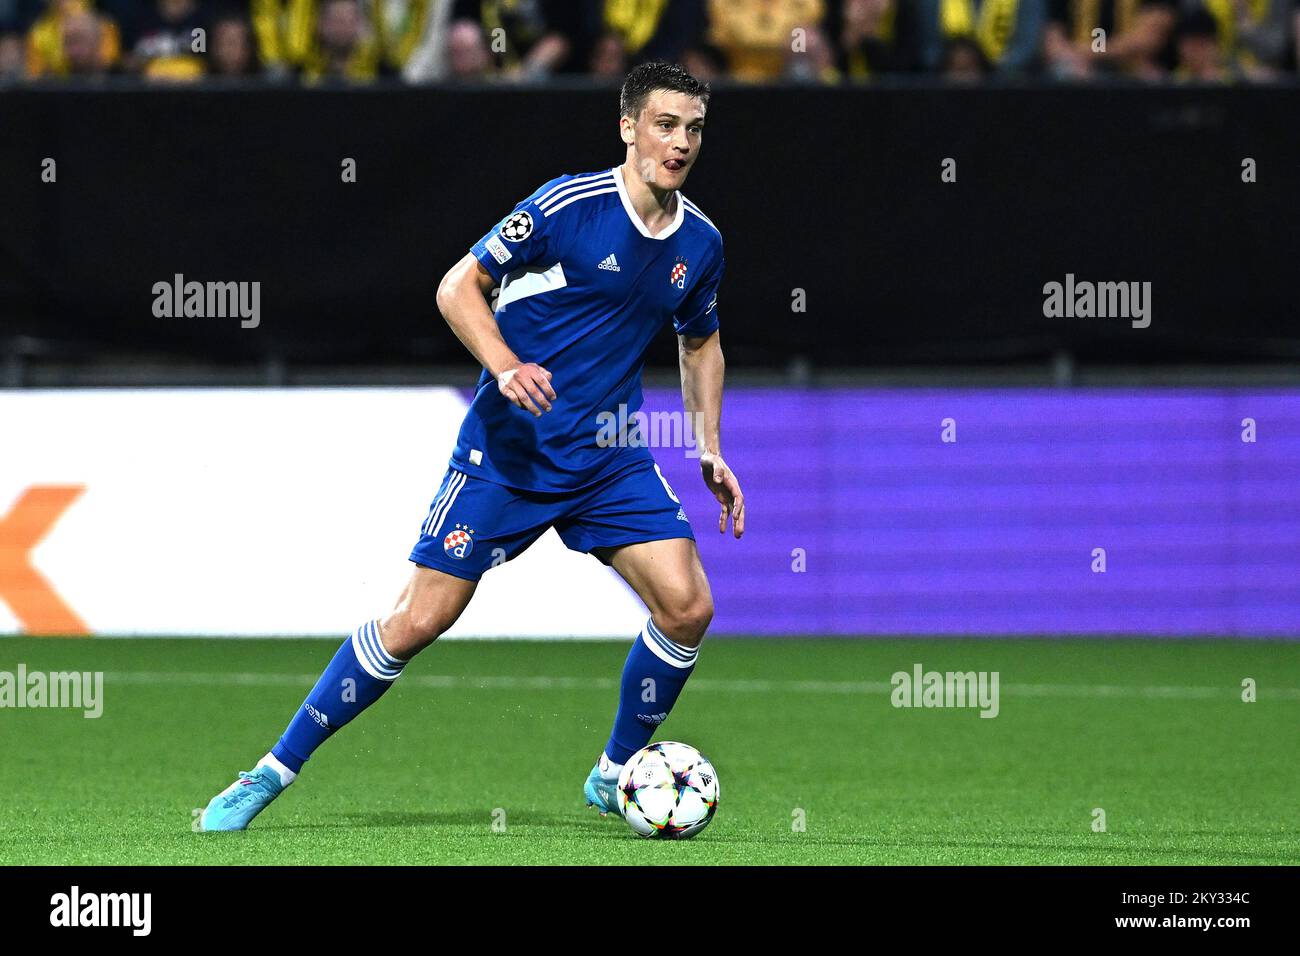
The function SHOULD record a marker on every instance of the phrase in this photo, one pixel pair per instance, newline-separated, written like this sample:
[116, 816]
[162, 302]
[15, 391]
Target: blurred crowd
[530, 41]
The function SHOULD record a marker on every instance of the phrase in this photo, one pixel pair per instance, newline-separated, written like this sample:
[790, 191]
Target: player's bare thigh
[428, 606]
[669, 578]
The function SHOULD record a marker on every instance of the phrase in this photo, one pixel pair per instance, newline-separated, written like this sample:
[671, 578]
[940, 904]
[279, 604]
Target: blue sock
[655, 673]
[357, 677]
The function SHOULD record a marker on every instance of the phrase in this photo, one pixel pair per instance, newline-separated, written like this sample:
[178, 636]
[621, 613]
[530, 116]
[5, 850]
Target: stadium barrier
[870, 512]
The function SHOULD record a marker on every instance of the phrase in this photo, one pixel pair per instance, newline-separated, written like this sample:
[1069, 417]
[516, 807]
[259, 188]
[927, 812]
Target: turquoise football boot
[235, 807]
[601, 789]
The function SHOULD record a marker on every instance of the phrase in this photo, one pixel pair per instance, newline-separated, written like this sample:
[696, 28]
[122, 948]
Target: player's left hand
[724, 486]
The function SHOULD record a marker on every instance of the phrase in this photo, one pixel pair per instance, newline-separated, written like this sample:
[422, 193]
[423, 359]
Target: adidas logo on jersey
[610, 263]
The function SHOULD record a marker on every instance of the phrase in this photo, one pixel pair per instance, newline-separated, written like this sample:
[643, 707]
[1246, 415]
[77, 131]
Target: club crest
[678, 277]
[459, 543]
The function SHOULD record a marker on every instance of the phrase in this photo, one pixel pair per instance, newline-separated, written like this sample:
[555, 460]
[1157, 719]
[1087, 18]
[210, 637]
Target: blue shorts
[474, 524]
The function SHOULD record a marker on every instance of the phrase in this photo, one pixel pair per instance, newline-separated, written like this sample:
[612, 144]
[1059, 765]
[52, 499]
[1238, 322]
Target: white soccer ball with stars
[668, 791]
[517, 227]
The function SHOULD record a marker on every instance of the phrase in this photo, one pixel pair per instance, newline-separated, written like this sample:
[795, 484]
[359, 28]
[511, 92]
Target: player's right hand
[527, 385]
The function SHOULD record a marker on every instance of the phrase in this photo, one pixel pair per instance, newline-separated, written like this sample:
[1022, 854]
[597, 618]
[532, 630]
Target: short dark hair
[657, 75]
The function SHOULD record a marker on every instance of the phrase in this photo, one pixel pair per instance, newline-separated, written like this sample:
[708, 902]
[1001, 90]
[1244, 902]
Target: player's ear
[627, 129]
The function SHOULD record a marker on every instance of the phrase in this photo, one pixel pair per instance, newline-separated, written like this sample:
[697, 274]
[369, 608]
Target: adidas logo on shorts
[610, 263]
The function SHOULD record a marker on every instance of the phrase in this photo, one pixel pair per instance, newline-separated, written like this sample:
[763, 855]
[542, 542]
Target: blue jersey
[584, 290]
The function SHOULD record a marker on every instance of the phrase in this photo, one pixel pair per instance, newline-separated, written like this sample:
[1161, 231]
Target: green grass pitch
[1154, 733]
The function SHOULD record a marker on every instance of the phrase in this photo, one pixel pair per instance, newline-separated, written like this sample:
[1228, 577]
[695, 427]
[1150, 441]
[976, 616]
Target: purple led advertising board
[991, 511]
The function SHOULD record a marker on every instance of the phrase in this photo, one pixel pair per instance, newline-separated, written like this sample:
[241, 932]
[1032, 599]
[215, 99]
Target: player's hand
[724, 486]
[527, 385]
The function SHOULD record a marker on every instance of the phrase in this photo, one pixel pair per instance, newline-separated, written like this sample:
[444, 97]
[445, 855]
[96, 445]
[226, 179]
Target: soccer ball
[668, 791]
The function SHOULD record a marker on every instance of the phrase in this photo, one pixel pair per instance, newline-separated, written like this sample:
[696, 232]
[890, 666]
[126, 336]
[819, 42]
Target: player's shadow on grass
[552, 822]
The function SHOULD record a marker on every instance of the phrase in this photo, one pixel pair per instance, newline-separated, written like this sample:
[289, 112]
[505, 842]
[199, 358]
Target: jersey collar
[636, 220]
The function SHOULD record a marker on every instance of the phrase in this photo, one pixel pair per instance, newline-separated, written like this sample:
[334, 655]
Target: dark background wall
[836, 192]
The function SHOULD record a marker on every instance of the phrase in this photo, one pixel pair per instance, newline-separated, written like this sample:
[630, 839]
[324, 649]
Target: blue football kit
[584, 289]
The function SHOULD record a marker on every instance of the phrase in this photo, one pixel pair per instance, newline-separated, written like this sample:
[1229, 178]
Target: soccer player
[590, 267]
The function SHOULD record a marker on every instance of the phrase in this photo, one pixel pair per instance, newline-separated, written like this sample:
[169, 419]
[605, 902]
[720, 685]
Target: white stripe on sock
[364, 653]
[670, 652]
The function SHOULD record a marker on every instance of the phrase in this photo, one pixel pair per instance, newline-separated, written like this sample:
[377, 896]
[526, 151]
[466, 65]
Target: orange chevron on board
[33, 600]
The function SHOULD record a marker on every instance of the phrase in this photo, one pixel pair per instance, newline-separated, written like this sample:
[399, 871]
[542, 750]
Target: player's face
[667, 137]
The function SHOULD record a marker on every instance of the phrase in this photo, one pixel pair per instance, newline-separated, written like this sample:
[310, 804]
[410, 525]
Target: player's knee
[428, 627]
[406, 632]
[686, 621]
